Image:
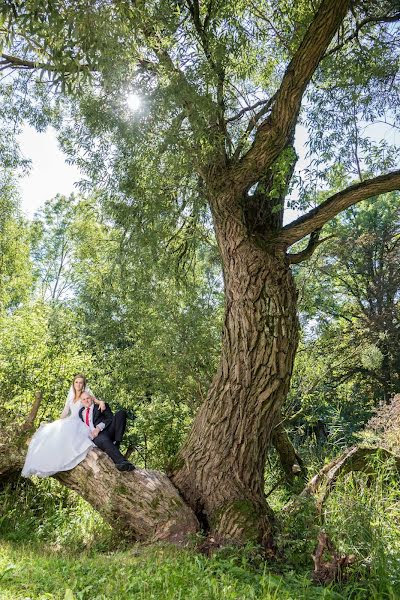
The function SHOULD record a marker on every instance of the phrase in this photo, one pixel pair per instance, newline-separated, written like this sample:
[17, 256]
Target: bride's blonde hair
[78, 376]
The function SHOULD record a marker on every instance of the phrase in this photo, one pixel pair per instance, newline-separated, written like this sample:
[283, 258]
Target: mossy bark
[141, 504]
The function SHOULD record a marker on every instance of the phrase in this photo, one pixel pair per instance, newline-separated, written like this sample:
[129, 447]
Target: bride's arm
[100, 403]
[65, 411]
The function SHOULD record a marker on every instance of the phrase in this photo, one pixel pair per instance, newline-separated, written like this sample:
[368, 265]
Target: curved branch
[327, 210]
[312, 245]
[15, 62]
[289, 458]
[359, 27]
[246, 109]
[273, 134]
[355, 458]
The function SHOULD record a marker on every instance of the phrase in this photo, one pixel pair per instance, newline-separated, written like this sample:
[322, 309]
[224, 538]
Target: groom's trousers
[105, 443]
[117, 427]
[113, 433]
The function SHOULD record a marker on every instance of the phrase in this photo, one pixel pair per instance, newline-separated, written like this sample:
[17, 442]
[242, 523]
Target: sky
[49, 174]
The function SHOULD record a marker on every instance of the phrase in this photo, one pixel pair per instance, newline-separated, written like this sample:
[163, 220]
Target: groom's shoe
[125, 466]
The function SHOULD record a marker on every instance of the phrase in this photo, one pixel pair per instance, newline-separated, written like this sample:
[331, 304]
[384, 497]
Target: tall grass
[362, 518]
[54, 546]
[45, 513]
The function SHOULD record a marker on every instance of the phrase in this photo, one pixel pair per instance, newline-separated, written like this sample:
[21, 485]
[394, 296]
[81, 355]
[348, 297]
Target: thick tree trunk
[220, 469]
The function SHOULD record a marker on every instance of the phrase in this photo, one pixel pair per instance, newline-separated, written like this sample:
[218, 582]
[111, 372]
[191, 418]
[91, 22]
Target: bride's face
[79, 384]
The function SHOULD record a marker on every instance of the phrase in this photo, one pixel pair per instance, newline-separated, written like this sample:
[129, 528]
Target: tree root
[329, 570]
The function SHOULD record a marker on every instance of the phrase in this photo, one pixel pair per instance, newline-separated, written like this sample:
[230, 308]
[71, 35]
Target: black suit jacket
[105, 417]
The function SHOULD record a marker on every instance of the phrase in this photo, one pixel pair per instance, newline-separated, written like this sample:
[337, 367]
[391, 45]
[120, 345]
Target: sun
[133, 101]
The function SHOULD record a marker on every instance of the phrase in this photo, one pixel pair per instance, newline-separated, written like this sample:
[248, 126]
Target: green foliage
[15, 265]
[348, 360]
[39, 350]
[198, 72]
[161, 426]
[103, 302]
[361, 517]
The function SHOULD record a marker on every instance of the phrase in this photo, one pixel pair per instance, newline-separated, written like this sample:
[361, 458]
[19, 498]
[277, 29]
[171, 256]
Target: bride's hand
[102, 405]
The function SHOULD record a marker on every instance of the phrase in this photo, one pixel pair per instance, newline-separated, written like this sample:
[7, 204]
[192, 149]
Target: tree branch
[19, 63]
[27, 426]
[273, 134]
[143, 505]
[216, 66]
[312, 245]
[317, 217]
[359, 26]
[246, 109]
[355, 458]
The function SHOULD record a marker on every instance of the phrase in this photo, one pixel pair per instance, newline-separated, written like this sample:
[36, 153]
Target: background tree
[347, 360]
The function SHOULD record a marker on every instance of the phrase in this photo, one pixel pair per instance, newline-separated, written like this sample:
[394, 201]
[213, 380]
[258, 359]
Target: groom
[106, 430]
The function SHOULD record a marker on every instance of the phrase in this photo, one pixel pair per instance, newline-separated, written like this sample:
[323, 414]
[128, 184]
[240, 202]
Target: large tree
[225, 86]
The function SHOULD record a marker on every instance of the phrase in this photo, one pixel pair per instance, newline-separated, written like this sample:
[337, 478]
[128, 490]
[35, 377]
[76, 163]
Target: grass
[144, 573]
[54, 546]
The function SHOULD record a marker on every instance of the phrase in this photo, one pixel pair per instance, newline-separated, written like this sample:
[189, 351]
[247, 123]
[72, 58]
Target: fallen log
[356, 458]
[141, 504]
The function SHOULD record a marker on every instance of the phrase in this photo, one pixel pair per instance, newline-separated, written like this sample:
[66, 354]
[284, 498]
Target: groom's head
[86, 399]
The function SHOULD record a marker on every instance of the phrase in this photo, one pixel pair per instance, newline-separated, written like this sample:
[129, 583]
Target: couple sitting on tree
[84, 423]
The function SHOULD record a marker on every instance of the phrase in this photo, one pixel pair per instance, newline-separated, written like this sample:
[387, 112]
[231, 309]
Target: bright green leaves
[15, 266]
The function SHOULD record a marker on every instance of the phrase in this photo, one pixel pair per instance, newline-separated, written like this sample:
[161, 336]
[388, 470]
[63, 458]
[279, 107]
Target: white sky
[49, 174]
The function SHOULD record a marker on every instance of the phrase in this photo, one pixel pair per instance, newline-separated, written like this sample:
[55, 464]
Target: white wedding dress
[60, 445]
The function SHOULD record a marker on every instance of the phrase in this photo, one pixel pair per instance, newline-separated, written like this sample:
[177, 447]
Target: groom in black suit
[106, 430]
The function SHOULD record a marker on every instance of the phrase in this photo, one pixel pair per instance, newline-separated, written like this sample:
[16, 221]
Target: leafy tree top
[224, 86]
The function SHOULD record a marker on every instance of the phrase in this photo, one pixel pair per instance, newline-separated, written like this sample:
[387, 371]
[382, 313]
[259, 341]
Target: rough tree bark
[221, 467]
[142, 505]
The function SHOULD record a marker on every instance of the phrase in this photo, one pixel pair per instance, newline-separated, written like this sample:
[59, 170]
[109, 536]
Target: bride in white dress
[62, 444]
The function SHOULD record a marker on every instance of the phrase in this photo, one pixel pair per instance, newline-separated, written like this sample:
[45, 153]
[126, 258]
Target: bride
[62, 444]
